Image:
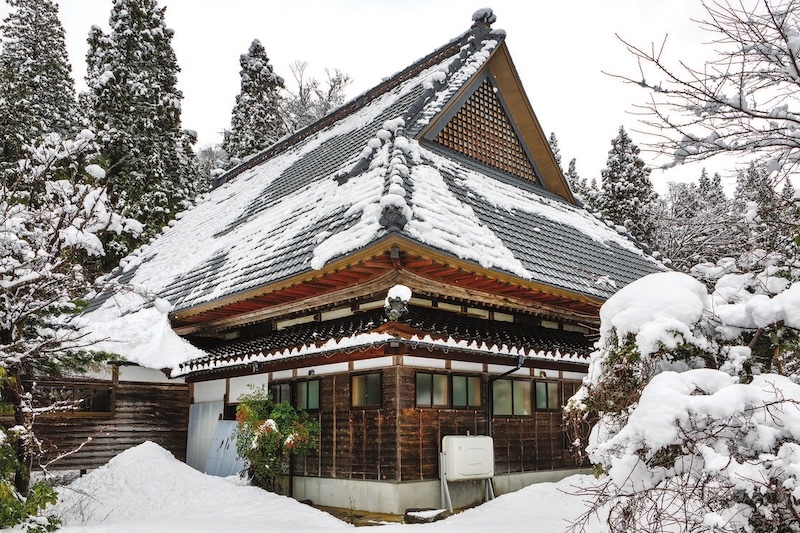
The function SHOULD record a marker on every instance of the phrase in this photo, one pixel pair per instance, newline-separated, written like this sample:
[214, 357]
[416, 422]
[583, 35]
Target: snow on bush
[695, 427]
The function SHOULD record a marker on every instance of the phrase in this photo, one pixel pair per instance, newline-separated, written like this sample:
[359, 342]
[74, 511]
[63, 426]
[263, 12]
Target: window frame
[450, 391]
[299, 385]
[366, 405]
[547, 383]
[272, 386]
[513, 383]
[110, 386]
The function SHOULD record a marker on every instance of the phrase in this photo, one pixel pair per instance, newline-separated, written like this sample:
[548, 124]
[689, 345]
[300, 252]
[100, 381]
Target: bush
[16, 509]
[268, 434]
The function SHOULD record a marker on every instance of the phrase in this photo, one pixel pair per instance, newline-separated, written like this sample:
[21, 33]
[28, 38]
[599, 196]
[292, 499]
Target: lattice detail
[482, 130]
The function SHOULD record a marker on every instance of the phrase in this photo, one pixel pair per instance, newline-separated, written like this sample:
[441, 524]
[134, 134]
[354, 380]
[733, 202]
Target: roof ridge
[348, 108]
[466, 43]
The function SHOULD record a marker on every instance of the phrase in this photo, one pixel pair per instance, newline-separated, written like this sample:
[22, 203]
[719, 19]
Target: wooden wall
[400, 442]
[354, 443]
[157, 412]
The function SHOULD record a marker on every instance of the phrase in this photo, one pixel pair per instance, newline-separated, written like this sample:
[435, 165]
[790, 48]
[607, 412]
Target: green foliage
[256, 120]
[16, 509]
[269, 433]
[38, 93]
[626, 195]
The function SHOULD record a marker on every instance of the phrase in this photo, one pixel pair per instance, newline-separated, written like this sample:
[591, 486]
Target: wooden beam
[379, 283]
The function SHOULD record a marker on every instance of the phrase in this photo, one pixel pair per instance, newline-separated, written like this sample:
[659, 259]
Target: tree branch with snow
[743, 101]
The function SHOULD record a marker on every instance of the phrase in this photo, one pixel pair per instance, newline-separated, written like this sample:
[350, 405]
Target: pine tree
[711, 188]
[37, 93]
[585, 190]
[256, 120]
[553, 142]
[627, 196]
[770, 216]
[136, 109]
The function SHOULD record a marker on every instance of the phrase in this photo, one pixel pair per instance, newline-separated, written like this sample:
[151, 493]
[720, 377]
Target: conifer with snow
[769, 217]
[581, 187]
[37, 93]
[256, 120]
[626, 194]
[135, 107]
[553, 142]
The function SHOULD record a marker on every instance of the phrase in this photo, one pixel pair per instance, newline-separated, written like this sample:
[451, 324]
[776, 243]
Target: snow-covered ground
[147, 489]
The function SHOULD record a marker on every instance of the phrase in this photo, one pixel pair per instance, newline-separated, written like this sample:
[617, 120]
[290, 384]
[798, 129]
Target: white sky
[559, 49]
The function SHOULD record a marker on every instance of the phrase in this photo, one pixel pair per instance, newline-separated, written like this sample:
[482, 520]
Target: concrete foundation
[395, 497]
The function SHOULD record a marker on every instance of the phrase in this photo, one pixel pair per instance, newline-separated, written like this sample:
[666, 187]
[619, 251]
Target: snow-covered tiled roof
[325, 193]
[448, 332]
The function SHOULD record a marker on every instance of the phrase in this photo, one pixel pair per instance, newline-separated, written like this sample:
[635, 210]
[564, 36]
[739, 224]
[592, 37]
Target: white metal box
[468, 457]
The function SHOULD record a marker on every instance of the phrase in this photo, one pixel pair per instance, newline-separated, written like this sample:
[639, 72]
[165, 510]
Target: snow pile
[146, 489]
[398, 291]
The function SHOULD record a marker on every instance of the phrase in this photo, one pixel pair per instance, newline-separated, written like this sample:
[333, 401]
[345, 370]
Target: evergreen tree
[711, 188]
[256, 121]
[627, 196]
[553, 142]
[135, 108]
[586, 191]
[37, 93]
[770, 217]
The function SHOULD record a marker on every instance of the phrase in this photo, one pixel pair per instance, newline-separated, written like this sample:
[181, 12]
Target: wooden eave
[505, 76]
[369, 273]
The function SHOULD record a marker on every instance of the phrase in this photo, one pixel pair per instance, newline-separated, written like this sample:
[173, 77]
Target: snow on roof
[326, 195]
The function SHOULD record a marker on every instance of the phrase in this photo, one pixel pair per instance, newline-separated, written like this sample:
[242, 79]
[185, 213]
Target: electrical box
[468, 457]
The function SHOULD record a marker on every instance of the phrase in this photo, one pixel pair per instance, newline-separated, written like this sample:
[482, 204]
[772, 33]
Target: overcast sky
[559, 49]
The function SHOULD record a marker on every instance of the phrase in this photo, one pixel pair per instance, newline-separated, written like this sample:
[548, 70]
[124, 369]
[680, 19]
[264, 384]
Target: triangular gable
[481, 129]
[499, 129]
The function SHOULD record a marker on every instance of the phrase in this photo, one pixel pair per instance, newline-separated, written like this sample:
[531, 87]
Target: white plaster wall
[377, 362]
[209, 391]
[241, 385]
[423, 362]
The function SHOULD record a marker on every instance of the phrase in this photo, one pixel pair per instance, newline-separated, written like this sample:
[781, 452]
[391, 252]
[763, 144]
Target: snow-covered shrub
[697, 430]
[268, 433]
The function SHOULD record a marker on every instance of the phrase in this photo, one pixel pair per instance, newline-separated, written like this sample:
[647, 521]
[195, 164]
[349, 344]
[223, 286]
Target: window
[443, 390]
[281, 393]
[365, 390]
[229, 411]
[547, 395]
[308, 395]
[433, 390]
[466, 391]
[510, 397]
[76, 398]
